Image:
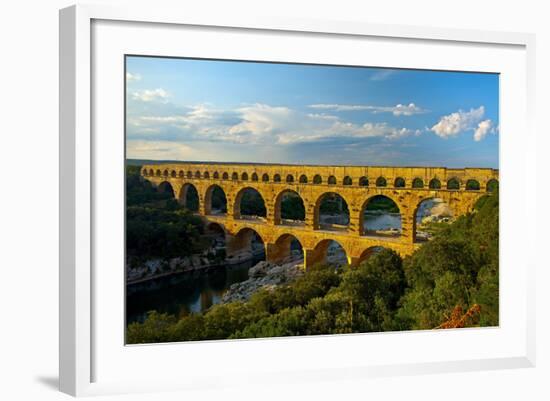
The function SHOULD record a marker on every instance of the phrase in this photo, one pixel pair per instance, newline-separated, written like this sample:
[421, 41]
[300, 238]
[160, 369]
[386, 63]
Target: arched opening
[165, 173]
[249, 205]
[234, 176]
[166, 188]
[289, 209]
[151, 172]
[418, 183]
[317, 179]
[331, 212]
[363, 182]
[244, 177]
[265, 178]
[472, 185]
[158, 173]
[217, 236]
[189, 174]
[254, 177]
[327, 252]
[367, 253]
[429, 217]
[246, 245]
[189, 197]
[197, 174]
[287, 248]
[381, 182]
[492, 185]
[331, 180]
[347, 180]
[303, 179]
[216, 175]
[215, 201]
[290, 178]
[399, 182]
[225, 176]
[144, 172]
[380, 217]
[277, 178]
[181, 174]
[206, 175]
[435, 184]
[173, 174]
[453, 184]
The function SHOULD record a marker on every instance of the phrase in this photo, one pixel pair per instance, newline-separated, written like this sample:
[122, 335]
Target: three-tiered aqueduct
[408, 187]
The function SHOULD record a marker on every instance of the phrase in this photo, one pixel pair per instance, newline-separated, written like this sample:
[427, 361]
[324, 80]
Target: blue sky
[204, 110]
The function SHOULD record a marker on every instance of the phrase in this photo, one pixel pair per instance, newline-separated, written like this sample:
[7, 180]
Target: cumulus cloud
[132, 77]
[151, 95]
[462, 121]
[158, 150]
[397, 110]
[257, 123]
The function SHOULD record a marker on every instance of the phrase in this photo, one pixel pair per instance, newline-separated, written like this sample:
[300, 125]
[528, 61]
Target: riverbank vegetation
[456, 270]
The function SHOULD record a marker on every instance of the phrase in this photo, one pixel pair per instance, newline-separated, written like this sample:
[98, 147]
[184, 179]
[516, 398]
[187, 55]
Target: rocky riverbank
[265, 275]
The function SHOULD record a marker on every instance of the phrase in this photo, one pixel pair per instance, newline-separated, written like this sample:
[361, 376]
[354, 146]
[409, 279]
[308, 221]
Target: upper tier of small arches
[378, 181]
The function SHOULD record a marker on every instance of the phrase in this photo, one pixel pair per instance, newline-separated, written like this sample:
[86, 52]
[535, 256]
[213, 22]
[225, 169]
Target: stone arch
[435, 184]
[331, 180]
[144, 172]
[303, 179]
[158, 173]
[367, 253]
[399, 182]
[216, 175]
[363, 182]
[336, 213]
[381, 182]
[492, 185]
[327, 251]
[197, 174]
[265, 177]
[225, 176]
[215, 200]
[285, 248]
[217, 234]
[317, 179]
[166, 187]
[427, 210]
[347, 180]
[235, 177]
[189, 197]
[290, 178]
[381, 217]
[254, 177]
[277, 178]
[244, 177]
[472, 185]
[295, 214]
[206, 175]
[418, 183]
[247, 241]
[189, 174]
[181, 174]
[249, 204]
[173, 174]
[165, 173]
[151, 172]
[453, 184]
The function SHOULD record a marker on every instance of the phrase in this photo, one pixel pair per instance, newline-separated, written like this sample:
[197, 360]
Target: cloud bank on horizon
[185, 109]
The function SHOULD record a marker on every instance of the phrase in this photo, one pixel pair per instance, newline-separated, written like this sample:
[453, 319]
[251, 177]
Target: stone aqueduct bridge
[406, 186]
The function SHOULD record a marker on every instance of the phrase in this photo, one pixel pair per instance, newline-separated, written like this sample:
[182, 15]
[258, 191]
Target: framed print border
[76, 276]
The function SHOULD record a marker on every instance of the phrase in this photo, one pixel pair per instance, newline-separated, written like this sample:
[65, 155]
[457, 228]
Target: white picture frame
[80, 344]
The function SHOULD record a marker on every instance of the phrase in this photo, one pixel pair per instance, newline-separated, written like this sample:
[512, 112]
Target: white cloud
[382, 75]
[151, 95]
[132, 77]
[397, 110]
[482, 130]
[462, 121]
[257, 123]
[158, 150]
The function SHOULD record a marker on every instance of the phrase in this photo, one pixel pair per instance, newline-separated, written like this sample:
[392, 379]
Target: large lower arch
[285, 249]
[217, 235]
[166, 188]
[215, 201]
[246, 244]
[326, 251]
[189, 197]
[331, 212]
[289, 208]
[429, 211]
[380, 216]
[367, 253]
[249, 205]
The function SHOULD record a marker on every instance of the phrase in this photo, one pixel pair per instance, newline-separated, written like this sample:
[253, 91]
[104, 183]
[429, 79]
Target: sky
[238, 111]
